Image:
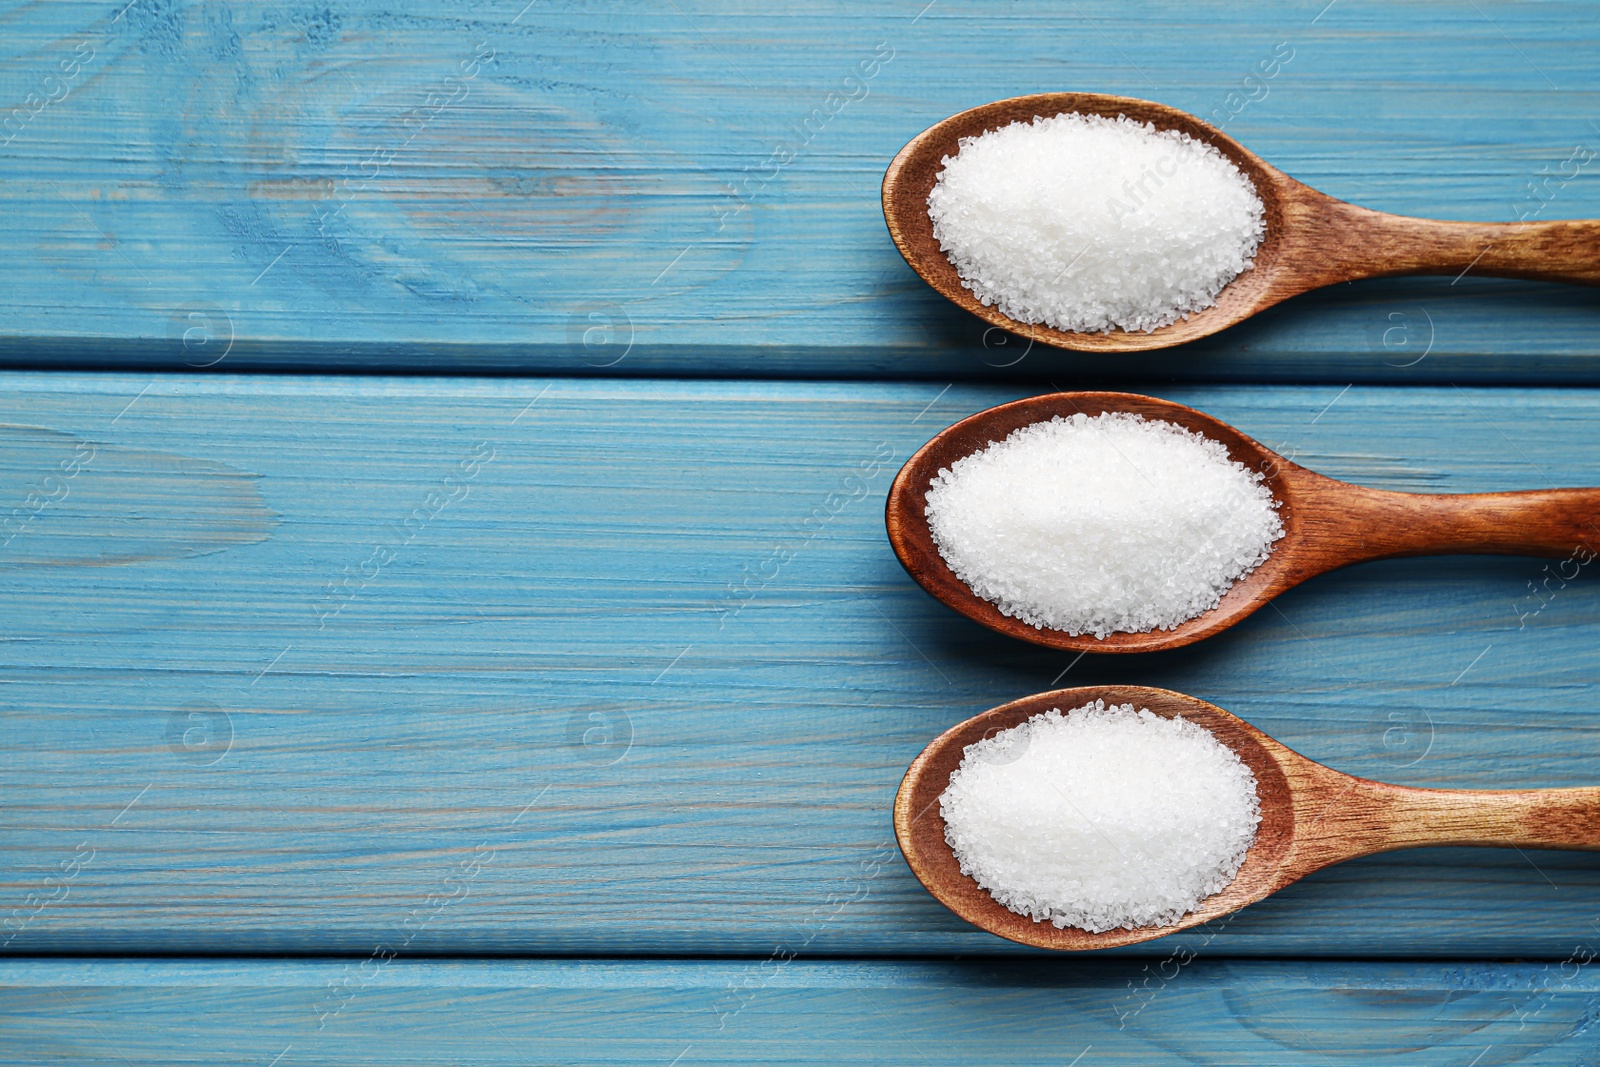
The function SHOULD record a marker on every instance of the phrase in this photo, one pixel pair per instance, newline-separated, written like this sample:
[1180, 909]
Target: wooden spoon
[1327, 524]
[1312, 239]
[1311, 817]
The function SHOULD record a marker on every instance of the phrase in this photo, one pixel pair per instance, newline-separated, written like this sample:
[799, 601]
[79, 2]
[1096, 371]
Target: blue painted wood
[548, 666]
[771, 1011]
[475, 667]
[587, 189]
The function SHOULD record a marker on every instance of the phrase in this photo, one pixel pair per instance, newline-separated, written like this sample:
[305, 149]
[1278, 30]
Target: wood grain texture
[1327, 523]
[1312, 817]
[612, 190]
[1269, 1013]
[561, 666]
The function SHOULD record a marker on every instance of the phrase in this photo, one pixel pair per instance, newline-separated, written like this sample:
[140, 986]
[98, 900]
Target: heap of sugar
[1103, 524]
[1102, 818]
[1087, 223]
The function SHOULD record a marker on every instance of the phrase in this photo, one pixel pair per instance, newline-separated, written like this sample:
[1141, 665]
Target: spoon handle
[1382, 244]
[1402, 817]
[1375, 523]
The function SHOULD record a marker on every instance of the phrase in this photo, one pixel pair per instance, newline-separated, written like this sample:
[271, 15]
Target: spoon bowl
[1327, 523]
[1312, 239]
[1311, 817]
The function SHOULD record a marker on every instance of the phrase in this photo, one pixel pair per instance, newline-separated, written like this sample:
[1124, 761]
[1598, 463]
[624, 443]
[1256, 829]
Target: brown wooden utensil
[1327, 523]
[1312, 239]
[1311, 817]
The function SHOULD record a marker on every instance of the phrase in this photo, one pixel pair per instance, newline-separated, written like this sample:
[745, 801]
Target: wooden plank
[770, 1011]
[548, 666]
[357, 185]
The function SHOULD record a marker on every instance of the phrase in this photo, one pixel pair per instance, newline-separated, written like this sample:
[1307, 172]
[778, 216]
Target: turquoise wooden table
[447, 612]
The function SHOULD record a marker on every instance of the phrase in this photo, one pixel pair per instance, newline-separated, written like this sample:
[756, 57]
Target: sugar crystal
[1102, 818]
[1087, 223]
[1110, 523]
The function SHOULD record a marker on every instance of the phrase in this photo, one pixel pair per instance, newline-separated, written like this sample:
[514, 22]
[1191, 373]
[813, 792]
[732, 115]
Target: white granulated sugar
[1087, 224]
[1101, 525]
[1103, 818]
